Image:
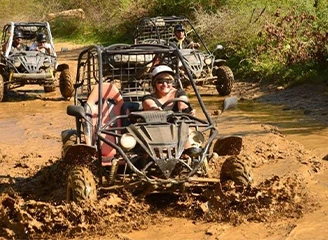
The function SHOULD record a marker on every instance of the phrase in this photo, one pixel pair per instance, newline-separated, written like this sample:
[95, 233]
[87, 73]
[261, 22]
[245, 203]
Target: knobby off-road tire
[49, 88]
[225, 80]
[81, 185]
[234, 169]
[2, 88]
[66, 84]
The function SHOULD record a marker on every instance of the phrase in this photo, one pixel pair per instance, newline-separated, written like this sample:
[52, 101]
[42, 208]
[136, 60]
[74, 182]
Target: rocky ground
[287, 199]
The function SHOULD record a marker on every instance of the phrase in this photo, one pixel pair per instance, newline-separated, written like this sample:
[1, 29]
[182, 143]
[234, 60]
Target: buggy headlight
[46, 63]
[128, 141]
[208, 61]
[196, 139]
[17, 63]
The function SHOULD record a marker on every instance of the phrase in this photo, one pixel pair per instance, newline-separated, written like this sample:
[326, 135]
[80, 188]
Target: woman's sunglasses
[164, 80]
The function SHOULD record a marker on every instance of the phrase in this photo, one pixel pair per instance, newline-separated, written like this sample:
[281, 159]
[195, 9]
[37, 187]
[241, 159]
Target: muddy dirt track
[287, 200]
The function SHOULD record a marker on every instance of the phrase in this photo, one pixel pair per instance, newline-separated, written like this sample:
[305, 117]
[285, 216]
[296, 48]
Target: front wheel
[49, 88]
[2, 88]
[225, 80]
[66, 84]
[81, 185]
[235, 170]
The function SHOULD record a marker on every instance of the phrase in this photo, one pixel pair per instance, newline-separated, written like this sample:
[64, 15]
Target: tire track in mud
[32, 190]
[35, 206]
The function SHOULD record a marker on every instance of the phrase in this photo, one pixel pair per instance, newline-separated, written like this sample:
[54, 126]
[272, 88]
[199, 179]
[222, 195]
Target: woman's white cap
[160, 69]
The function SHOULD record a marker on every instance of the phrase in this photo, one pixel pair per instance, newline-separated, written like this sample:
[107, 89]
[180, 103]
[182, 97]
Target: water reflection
[292, 123]
[288, 121]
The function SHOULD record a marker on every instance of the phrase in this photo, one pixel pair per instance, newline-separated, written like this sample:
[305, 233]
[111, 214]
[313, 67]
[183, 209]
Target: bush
[263, 41]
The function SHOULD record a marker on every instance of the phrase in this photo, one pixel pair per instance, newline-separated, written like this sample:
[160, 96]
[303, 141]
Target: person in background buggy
[17, 44]
[181, 40]
[163, 90]
[41, 44]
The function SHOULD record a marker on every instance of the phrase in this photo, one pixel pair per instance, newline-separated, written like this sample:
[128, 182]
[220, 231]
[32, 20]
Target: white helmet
[160, 69]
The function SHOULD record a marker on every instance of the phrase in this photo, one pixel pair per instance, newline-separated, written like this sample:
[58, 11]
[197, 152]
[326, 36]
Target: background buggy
[206, 69]
[31, 67]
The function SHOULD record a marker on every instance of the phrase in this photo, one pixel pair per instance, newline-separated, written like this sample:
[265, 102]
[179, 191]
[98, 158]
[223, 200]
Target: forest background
[284, 42]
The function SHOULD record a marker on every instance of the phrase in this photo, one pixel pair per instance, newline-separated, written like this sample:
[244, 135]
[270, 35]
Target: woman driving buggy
[164, 93]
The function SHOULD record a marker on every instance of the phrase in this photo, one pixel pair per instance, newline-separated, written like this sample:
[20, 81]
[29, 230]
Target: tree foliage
[263, 40]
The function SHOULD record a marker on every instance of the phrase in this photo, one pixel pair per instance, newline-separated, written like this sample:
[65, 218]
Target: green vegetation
[285, 42]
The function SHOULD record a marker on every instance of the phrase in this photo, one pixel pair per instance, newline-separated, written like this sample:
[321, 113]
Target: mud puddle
[33, 180]
[296, 124]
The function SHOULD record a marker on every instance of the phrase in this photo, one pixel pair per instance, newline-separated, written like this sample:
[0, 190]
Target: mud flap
[230, 145]
[66, 134]
[80, 154]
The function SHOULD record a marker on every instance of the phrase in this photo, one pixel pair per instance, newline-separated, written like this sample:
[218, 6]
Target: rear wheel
[2, 88]
[81, 185]
[234, 169]
[66, 84]
[225, 80]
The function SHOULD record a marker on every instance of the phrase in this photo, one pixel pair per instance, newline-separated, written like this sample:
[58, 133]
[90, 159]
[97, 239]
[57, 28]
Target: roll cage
[161, 29]
[118, 67]
[29, 31]
[129, 66]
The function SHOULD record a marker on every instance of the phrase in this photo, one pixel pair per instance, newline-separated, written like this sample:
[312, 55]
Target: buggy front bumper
[36, 76]
[21, 79]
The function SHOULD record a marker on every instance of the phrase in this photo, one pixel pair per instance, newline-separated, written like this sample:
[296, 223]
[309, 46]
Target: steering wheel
[40, 53]
[193, 45]
[173, 100]
[190, 45]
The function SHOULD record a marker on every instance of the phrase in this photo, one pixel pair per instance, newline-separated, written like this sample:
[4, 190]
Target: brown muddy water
[49, 112]
[293, 123]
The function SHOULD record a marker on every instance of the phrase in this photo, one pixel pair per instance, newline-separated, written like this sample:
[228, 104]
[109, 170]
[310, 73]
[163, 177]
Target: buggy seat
[112, 104]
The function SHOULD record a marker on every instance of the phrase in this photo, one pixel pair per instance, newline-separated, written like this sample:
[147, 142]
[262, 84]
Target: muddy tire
[81, 185]
[228, 145]
[225, 80]
[2, 88]
[68, 140]
[66, 84]
[234, 169]
[49, 88]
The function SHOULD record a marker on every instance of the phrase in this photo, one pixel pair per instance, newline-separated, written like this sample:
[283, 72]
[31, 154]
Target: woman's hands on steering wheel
[173, 100]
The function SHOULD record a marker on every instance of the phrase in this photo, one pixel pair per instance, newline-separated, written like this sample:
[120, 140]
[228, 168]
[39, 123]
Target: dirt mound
[35, 207]
[22, 219]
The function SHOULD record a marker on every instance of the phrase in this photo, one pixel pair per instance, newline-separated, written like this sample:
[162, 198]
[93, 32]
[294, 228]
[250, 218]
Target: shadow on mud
[47, 185]
[30, 95]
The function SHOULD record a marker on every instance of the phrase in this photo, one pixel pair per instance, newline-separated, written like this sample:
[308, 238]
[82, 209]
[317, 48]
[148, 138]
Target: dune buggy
[118, 145]
[19, 68]
[202, 63]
